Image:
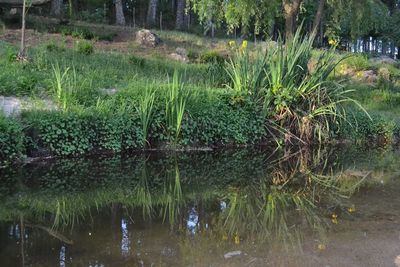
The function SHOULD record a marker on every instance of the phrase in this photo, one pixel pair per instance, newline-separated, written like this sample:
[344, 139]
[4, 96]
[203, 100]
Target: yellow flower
[224, 237]
[244, 44]
[237, 239]
[334, 218]
[321, 246]
[232, 43]
[351, 209]
[332, 42]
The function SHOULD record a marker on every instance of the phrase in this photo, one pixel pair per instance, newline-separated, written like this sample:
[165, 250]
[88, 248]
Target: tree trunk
[56, 8]
[318, 16]
[152, 13]
[22, 51]
[119, 13]
[290, 10]
[180, 14]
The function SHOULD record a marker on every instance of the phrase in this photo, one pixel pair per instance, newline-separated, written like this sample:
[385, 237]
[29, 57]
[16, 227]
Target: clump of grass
[300, 103]
[85, 47]
[357, 62]
[246, 74]
[145, 110]
[175, 105]
[64, 83]
[211, 56]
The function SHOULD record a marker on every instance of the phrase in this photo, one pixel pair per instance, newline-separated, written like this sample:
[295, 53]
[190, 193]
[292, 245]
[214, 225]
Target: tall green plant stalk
[59, 84]
[145, 110]
[175, 106]
[246, 73]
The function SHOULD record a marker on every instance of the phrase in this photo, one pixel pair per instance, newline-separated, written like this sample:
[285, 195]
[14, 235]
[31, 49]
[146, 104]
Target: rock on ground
[383, 59]
[147, 38]
[12, 106]
[180, 55]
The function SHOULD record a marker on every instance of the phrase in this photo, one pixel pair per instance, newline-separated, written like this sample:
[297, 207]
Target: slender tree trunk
[384, 47]
[290, 10]
[180, 14]
[152, 13]
[70, 8]
[56, 8]
[22, 52]
[119, 13]
[318, 16]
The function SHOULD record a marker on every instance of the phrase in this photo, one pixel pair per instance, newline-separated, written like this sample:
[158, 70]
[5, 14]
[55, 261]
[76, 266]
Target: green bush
[77, 133]
[85, 47]
[137, 61]
[357, 62]
[11, 140]
[211, 57]
[360, 127]
[54, 47]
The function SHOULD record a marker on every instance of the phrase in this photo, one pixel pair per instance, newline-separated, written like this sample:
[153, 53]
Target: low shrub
[85, 47]
[211, 57]
[137, 61]
[357, 62]
[76, 133]
[360, 127]
[11, 140]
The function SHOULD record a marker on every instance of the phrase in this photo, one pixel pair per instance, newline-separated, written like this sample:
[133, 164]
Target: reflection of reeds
[172, 198]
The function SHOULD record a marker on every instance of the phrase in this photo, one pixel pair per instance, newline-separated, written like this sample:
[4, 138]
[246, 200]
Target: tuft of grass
[84, 47]
[175, 105]
[145, 109]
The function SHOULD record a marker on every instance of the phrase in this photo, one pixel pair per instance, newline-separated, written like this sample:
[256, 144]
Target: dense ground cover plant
[11, 140]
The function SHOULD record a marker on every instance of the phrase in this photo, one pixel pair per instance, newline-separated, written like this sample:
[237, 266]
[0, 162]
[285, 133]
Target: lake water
[334, 206]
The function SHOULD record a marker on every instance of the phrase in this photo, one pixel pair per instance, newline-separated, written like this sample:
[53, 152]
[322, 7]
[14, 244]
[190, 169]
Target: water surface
[249, 207]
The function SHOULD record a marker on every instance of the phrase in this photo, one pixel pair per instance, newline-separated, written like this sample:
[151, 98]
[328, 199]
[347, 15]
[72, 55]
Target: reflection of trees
[267, 198]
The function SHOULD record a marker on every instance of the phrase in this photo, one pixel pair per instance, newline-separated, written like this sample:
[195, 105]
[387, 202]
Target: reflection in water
[189, 210]
[125, 242]
[193, 220]
[62, 256]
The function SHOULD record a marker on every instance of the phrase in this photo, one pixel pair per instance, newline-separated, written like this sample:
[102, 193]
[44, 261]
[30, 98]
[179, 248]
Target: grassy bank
[119, 102]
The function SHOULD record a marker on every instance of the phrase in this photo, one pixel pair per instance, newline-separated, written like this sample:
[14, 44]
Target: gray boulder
[147, 38]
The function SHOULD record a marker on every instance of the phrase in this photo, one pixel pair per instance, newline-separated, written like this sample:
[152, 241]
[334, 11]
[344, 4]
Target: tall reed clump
[175, 105]
[145, 110]
[245, 71]
[299, 96]
[64, 83]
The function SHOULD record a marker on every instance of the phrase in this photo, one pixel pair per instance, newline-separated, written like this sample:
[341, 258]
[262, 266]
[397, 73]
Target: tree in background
[56, 8]
[119, 13]
[152, 13]
[180, 14]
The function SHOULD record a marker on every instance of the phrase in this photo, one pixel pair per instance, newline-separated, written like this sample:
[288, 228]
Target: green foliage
[76, 133]
[53, 47]
[227, 121]
[137, 61]
[63, 85]
[211, 56]
[299, 102]
[145, 111]
[357, 62]
[246, 73]
[85, 47]
[361, 127]
[11, 140]
[175, 106]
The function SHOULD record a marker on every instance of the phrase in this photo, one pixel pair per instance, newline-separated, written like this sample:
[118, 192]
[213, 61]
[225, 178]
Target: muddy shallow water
[249, 207]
